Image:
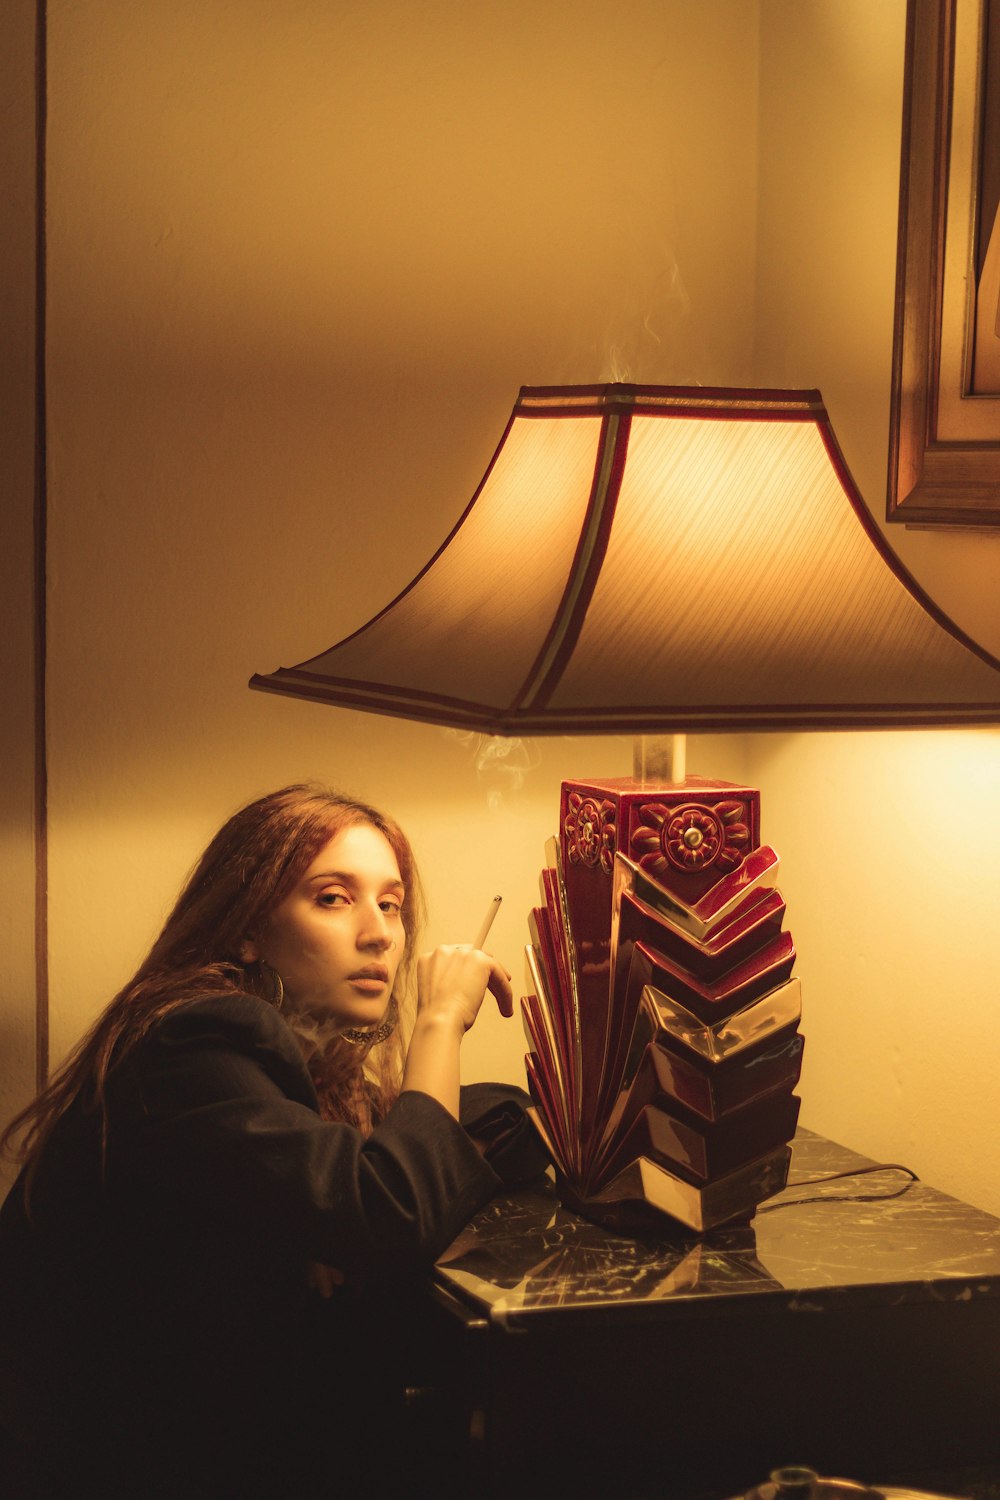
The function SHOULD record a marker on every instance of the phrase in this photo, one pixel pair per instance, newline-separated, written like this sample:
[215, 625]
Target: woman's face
[337, 939]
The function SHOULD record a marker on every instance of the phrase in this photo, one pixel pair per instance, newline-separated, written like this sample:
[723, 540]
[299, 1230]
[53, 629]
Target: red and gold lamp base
[663, 1019]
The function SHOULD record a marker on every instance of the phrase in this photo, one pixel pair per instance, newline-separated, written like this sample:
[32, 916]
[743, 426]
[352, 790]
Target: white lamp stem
[658, 758]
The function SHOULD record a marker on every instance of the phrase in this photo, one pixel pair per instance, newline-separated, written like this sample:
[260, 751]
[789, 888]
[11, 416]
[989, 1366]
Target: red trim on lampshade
[437, 709]
[585, 570]
[286, 678]
[416, 579]
[892, 562]
[728, 403]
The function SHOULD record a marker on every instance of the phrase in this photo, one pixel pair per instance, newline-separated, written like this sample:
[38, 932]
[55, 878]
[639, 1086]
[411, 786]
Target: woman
[227, 1185]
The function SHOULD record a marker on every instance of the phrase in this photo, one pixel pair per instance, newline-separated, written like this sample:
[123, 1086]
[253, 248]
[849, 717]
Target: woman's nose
[374, 931]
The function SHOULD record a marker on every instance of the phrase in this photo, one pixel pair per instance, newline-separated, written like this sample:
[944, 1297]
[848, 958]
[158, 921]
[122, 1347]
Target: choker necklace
[369, 1036]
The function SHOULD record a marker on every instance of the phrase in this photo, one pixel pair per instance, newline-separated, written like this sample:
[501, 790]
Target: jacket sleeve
[494, 1114]
[215, 1114]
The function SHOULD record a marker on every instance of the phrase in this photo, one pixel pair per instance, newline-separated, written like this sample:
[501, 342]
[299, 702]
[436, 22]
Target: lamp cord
[889, 1166]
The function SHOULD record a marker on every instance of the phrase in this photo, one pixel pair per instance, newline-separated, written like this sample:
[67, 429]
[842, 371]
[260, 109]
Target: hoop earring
[370, 1036]
[277, 989]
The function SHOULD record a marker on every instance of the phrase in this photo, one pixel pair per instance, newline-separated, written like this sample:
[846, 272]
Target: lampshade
[653, 558]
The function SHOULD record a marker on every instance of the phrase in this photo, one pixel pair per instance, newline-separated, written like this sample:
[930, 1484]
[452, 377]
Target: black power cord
[889, 1166]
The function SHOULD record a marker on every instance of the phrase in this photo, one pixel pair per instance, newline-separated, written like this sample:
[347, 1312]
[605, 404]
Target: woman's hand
[451, 986]
[324, 1279]
[453, 980]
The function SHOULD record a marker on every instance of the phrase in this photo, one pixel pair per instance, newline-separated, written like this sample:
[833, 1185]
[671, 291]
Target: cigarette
[484, 930]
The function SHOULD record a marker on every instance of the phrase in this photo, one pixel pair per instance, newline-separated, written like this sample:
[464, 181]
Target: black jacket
[158, 1336]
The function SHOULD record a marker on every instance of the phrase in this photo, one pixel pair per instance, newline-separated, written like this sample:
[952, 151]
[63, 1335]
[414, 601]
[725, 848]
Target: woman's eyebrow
[346, 878]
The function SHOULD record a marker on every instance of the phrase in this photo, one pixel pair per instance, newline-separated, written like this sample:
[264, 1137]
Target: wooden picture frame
[944, 447]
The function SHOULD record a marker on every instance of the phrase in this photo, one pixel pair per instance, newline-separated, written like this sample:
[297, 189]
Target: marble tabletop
[877, 1236]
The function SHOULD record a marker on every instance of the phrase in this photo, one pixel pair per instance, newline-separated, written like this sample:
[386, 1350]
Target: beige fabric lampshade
[645, 559]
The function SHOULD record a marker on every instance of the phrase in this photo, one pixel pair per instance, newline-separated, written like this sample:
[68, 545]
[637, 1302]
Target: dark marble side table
[861, 1338]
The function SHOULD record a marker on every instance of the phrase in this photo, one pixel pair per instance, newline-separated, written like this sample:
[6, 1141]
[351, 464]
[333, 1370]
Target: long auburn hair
[253, 862]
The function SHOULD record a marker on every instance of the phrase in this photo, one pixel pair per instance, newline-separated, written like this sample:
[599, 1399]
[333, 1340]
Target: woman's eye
[390, 907]
[332, 898]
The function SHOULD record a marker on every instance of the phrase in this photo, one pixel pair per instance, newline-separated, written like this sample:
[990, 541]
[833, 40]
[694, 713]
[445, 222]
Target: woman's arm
[451, 985]
[214, 1122]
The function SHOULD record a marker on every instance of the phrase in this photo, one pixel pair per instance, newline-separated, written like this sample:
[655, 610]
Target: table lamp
[656, 560]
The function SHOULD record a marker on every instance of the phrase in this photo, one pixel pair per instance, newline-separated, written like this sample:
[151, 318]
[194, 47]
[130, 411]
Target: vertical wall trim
[40, 540]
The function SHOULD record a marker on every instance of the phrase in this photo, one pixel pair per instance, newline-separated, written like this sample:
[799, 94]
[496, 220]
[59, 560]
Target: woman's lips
[371, 980]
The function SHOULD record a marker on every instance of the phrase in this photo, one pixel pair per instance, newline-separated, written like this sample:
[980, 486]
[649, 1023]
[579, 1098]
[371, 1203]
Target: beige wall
[888, 840]
[301, 259]
[17, 605]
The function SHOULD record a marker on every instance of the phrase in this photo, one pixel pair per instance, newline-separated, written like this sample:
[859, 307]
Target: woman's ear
[249, 952]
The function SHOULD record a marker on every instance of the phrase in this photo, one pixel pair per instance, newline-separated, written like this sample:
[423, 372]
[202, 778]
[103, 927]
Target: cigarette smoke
[501, 765]
[648, 336]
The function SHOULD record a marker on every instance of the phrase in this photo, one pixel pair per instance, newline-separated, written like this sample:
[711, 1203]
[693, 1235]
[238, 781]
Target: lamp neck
[657, 758]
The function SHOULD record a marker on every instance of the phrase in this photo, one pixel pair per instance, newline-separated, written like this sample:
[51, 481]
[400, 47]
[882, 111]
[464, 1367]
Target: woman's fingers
[500, 986]
[458, 976]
